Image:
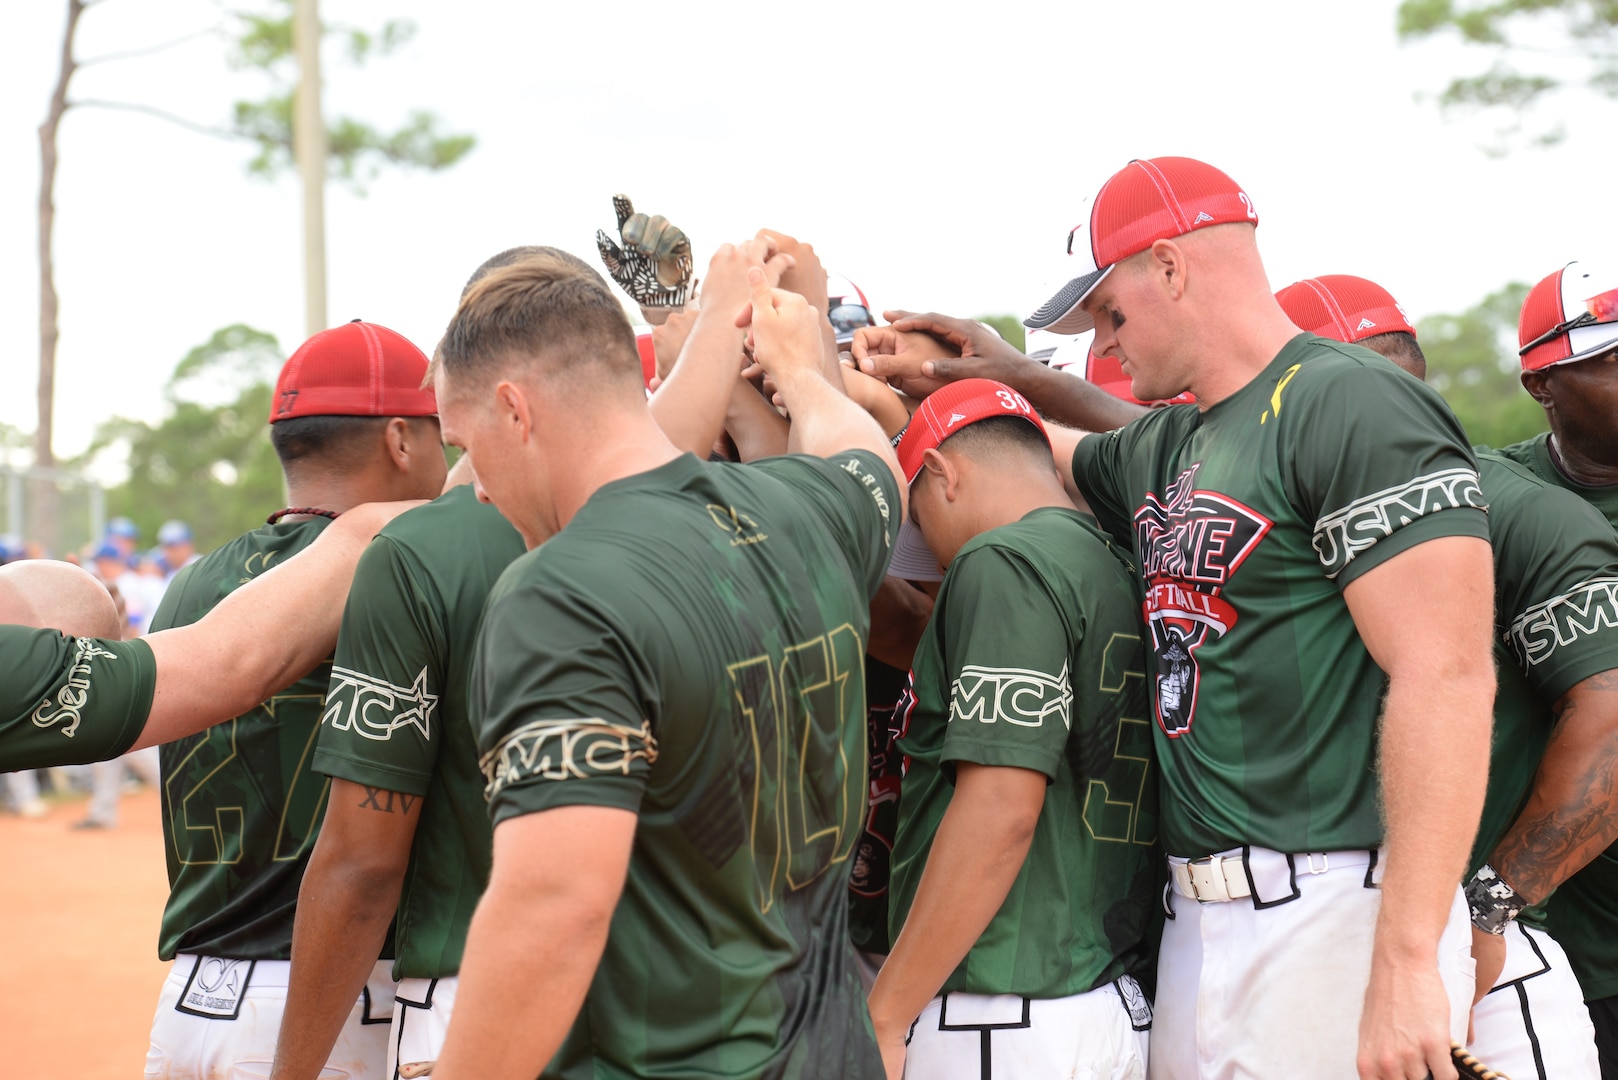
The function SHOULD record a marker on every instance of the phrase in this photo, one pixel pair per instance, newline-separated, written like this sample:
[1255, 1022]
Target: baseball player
[76, 692]
[1318, 586]
[669, 696]
[1548, 548]
[1568, 337]
[1025, 870]
[242, 805]
[407, 816]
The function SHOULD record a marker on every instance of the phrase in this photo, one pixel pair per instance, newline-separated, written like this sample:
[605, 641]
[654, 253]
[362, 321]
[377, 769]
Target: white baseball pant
[421, 1011]
[1534, 1022]
[1099, 1035]
[1270, 967]
[219, 1018]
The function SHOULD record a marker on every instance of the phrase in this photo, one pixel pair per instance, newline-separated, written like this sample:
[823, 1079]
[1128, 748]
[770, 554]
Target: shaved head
[44, 593]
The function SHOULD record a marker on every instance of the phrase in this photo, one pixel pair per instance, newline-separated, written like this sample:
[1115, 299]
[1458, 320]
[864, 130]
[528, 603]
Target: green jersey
[1583, 913]
[70, 700]
[1249, 519]
[1535, 456]
[396, 715]
[1033, 659]
[1550, 549]
[691, 648]
[241, 806]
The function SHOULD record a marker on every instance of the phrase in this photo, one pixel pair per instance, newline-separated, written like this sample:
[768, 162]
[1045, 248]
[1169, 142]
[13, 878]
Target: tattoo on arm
[381, 799]
[1572, 811]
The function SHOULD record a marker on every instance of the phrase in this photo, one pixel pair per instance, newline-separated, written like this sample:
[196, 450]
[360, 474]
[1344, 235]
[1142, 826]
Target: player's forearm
[241, 652]
[1064, 441]
[979, 850]
[877, 398]
[1069, 400]
[899, 615]
[341, 926]
[557, 877]
[758, 430]
[690, 405]
[1572, 812]
[1434, 766]
[826, 422]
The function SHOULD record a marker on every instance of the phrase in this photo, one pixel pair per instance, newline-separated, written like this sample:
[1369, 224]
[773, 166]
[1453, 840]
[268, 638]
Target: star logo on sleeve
[376, 708]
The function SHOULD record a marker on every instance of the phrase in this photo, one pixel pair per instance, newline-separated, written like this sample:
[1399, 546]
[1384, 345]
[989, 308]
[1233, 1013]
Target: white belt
[1211, 880]
[1229, 875]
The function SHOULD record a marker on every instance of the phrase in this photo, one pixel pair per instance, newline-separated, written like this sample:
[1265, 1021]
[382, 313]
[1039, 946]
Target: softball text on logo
[1190, 544]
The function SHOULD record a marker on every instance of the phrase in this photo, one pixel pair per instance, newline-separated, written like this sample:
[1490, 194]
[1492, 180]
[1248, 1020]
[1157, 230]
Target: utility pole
[309, 150]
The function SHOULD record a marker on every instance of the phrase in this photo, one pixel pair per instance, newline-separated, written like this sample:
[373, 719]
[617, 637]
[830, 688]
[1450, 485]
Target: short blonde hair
[546, 312]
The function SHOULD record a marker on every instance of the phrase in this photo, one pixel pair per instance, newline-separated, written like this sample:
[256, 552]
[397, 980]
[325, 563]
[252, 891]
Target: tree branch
[161, 114]
[150, 49]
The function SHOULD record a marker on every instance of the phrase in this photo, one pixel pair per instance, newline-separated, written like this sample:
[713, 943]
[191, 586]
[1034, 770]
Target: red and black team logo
[1190, 543]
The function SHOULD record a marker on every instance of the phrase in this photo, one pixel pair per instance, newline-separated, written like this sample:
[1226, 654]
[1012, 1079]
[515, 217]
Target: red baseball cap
[953, 408]
[1146, 201]
[356, 369]
[1107, 372]
[1343, 307]
[1570, 316]
[648, 353]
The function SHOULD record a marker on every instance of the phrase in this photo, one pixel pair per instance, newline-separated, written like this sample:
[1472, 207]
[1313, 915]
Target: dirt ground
[79, 914]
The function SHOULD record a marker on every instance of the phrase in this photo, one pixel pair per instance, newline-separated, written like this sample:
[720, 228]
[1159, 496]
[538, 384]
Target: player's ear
[514, 410]
[1534, 383]
[396, 437]
[944, 470]
[1168, 265]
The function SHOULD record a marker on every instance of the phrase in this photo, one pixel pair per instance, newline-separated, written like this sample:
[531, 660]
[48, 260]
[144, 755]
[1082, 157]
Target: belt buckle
[1325, 862]
[1216, 864]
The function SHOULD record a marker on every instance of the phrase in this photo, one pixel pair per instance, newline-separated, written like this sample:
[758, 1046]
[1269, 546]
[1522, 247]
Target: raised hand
[785, 332]
[654, 265]
[807, 277]
[669, 338]
[982, 354]
[901, 358]
[725, 289]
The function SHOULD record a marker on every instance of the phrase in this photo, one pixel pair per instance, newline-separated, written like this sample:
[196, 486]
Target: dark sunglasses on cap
[1602, 308]
[847, 318]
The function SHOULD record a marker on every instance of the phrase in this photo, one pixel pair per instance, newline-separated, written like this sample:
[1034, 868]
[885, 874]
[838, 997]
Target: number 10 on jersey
[802, 715]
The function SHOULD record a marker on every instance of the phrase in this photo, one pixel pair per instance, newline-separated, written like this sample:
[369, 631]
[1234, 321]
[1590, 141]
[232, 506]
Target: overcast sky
[935, 153]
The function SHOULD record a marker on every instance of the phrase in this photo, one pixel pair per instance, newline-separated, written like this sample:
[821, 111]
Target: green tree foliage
[1008, 327]
[13, 439]
[357, 149]
[1567, 43]
[209, 462]
[1472, 361]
